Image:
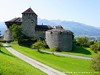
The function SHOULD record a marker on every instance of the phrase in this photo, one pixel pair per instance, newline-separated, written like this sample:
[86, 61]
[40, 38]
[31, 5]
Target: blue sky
[83, 11]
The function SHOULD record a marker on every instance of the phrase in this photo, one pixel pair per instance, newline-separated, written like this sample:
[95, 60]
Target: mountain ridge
[79, 29]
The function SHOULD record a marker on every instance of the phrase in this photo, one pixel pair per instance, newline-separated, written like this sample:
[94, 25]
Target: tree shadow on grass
[50, 54]
[3, 52]
[43, 52]
[81, 50]
[6, 54]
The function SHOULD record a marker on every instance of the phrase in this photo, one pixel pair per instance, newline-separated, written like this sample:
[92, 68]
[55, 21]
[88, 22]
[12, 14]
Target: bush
[39, 45]
[27, 42]
[95, 47]
[2, 41]
[82, 41]
[53, 49]
[96, 63]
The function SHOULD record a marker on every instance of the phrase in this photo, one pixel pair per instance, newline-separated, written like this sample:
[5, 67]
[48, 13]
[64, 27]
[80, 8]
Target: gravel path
[69, 55]
[42, 67]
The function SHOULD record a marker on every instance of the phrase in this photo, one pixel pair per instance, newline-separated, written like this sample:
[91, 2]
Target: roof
[15, 20]
[43, 27]
[59, 29]
[29, 10]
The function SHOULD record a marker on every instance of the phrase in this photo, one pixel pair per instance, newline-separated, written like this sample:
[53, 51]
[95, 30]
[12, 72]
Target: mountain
[79, 29]
[2, 28]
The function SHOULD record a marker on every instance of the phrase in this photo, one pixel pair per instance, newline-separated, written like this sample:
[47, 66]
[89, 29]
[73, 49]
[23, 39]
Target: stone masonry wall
[7, 35]
[62, 40]
[29, 22]
[39, 34]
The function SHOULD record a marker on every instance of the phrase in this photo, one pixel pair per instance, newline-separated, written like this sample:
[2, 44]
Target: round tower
[29, 22]
[60, 38]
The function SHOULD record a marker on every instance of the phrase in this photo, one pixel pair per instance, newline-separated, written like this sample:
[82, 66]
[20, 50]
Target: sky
[83, 11]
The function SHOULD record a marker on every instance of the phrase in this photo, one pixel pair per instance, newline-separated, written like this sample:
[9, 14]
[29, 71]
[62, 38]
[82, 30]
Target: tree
[53, 49]
[16, 32]
[96, 62]
[38, 45]
[95, 47]
[82, 41]
[0, 46]
[0, 43]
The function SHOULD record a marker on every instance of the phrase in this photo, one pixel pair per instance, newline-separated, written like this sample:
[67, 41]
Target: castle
[54, 36]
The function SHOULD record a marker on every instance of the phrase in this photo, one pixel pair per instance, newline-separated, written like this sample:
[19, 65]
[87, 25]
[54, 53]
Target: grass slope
[11, 65]
[81, 52]
[64, 64]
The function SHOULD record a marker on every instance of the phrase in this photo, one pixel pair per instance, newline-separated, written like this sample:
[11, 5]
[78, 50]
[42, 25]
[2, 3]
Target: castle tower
[29, 22]
[60, 38]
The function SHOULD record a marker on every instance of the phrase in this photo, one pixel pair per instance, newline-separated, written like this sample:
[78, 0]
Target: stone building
[60, 38]
[54, 36]
[29, 25]
[7, 34]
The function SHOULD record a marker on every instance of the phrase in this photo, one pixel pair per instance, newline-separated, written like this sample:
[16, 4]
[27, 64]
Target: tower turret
[29, 22]
[60, 38]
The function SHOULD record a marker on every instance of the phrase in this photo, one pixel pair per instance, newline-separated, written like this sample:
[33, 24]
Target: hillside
[11, 65]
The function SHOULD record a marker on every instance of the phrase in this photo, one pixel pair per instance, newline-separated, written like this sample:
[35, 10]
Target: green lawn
[64, 64]
[11, 65]
[87, 52]
[81, 52]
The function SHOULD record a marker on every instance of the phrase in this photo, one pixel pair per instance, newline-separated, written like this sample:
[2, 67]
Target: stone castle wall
[60, 38]
[63, 40]
[7, 35]
[40, 34]
[29, 22]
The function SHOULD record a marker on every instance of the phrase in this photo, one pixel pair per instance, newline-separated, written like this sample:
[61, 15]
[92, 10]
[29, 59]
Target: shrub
[27, 42]
[96, 62]
[53, 49]
[95, 47]
[39, 45]
[82, 41]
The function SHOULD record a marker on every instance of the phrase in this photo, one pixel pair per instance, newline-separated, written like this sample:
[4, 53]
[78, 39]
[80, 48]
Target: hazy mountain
[2, 27]
[77, 28]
